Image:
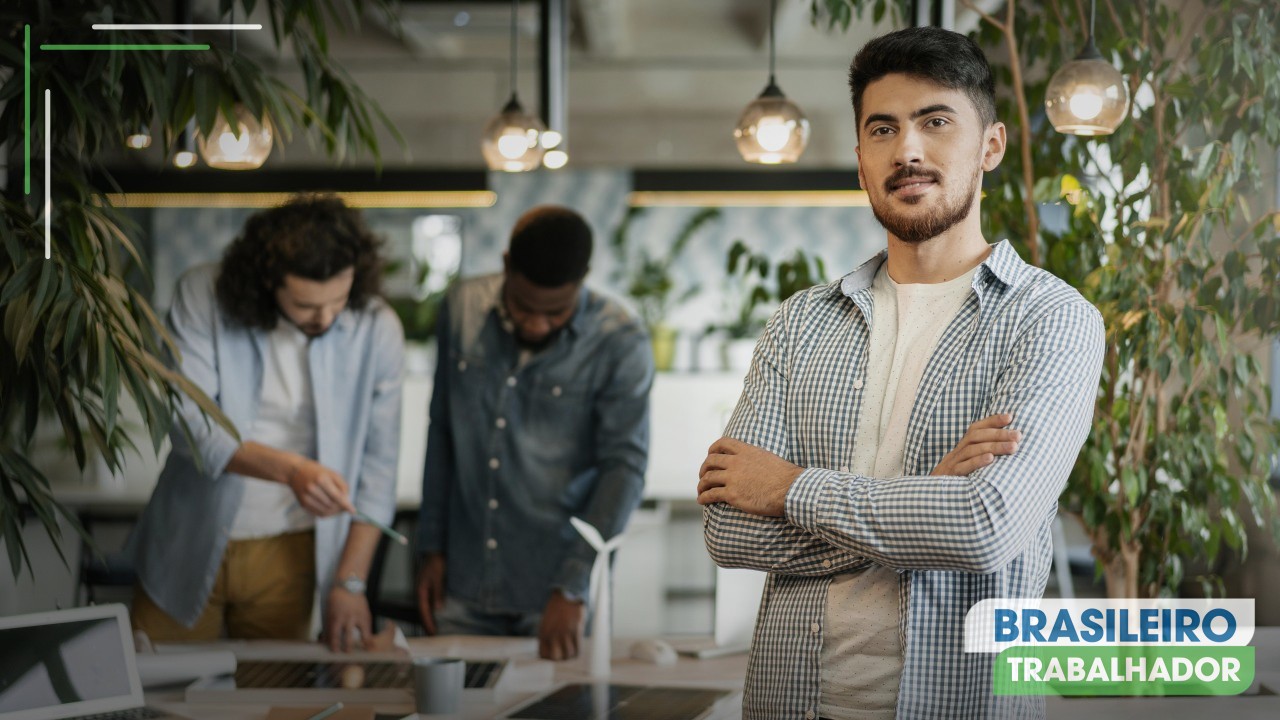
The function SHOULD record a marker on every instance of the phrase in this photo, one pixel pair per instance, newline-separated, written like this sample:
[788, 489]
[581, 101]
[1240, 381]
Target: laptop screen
[72, 662]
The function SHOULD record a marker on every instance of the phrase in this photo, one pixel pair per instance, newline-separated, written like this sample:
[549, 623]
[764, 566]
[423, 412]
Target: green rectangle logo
[1123, 670]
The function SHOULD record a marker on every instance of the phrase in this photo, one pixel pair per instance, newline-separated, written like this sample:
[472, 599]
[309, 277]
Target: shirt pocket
[560, 410]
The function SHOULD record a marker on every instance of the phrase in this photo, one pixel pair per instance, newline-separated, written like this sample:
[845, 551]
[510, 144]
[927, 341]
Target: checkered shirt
[1024, 343]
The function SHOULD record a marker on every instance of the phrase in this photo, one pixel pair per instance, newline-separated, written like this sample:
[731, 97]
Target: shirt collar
[1002, 263]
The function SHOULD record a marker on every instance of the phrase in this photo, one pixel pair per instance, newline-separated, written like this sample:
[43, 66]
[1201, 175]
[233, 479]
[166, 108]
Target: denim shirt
[356, 370]
[515, 448]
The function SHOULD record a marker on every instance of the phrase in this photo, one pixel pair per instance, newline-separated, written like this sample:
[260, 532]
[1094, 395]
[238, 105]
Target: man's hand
[979, 447]
[430, 589]
[320, 491]
[749, 478]
[561, 628]
[348, 624]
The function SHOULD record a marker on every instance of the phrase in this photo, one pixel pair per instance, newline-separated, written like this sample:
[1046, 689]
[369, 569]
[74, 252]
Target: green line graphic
[26, 108]
[124, 47]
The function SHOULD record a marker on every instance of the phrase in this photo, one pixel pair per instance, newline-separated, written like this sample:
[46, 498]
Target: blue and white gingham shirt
[1024, 343]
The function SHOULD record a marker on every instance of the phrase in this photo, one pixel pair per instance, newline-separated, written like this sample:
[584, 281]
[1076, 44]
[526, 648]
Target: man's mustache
[906, 172]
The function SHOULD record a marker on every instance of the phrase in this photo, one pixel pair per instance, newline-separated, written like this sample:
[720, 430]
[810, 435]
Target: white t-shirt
[286, 420]
[861, 650]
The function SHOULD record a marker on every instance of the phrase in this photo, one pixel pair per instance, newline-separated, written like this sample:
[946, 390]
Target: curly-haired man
[289, 337]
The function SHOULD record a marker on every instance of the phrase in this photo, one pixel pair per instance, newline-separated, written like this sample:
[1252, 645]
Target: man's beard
[940, 220]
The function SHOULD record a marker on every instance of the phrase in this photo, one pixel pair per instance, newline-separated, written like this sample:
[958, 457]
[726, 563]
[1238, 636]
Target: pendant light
[772, 129]
[511, 141]
[244, 145]
[139, 139]
[1087, 96]
[184, 155]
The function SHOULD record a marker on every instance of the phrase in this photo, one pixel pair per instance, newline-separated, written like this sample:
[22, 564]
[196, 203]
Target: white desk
[721, 673]
[728, 673]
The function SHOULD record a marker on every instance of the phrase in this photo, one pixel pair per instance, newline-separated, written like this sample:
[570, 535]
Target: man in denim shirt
[539, 412]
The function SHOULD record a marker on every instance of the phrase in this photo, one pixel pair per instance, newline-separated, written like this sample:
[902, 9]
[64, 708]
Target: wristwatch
[352, 584]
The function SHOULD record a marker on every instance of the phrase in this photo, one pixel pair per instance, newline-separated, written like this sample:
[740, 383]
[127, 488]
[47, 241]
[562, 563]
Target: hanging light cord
[1093, 9]
[515, 9]
[773, 13]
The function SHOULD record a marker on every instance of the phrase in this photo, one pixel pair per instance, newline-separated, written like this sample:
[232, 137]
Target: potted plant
[647, 277]
[758, 294]
[1165, 241]
[76, 337]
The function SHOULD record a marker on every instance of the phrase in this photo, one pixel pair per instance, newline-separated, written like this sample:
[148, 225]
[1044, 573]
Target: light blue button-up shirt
[518, 446]
[356, 370]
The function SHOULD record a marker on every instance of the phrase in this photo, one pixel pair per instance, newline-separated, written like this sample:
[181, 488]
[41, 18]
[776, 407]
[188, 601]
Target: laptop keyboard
[142, 713]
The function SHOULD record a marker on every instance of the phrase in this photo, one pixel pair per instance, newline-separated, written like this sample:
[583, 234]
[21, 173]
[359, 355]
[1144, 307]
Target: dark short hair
[550, 246]
[931, 53]
[312, 236]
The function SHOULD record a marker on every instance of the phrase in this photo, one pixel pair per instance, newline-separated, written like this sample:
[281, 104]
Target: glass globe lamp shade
[243, 147]
[1087, 96]
[772, 129]
[511, 140]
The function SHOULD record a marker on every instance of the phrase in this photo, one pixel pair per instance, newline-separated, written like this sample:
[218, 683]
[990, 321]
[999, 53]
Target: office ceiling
[652, 83]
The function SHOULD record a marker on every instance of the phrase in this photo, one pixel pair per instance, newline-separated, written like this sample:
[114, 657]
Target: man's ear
[994, 146]
[862, 181]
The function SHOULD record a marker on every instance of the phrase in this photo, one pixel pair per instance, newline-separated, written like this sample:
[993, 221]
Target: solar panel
[622, 702]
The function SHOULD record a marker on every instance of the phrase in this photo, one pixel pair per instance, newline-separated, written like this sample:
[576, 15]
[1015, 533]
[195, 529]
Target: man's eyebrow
[878, 117]
[933, 109]
[884, 117]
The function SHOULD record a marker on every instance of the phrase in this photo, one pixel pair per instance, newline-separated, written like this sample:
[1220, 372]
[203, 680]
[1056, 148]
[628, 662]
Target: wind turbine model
[601, 627]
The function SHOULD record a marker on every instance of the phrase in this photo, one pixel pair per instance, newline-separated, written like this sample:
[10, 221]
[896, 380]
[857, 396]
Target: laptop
[70, 664]
[737, 599]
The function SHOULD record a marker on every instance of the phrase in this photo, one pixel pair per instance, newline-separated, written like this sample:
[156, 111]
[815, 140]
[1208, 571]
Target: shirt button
[462, 366]
[491, 544]
[808, 715]
[494, 464]
[826, 563]
[556, 391]
[816, 628]
[511, 381]
[493, 505]
[857, 384]
[501, 423]
[844, 468]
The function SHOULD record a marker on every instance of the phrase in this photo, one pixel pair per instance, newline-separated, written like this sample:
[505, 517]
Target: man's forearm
[264, 462]
[357, 556]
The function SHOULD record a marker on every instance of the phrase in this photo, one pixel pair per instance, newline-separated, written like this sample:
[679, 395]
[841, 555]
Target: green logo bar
[1123, 670]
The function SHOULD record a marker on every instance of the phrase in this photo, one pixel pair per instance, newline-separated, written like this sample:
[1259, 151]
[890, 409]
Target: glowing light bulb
[513, 145]
[1086, 103]
[773, 133]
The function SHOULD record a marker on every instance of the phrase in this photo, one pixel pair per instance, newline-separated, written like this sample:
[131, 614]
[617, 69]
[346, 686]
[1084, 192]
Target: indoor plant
[646, 276]
[76, 336]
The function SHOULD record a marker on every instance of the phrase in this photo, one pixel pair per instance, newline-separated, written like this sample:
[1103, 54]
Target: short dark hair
[931, 53]
[311, 236]
[550, 246]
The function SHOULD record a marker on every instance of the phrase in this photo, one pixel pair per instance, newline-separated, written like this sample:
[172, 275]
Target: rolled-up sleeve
[981, 522]
[376, 492]
[736, 539]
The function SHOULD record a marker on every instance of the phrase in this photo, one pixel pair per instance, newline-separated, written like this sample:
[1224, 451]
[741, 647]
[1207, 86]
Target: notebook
[69, 664]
